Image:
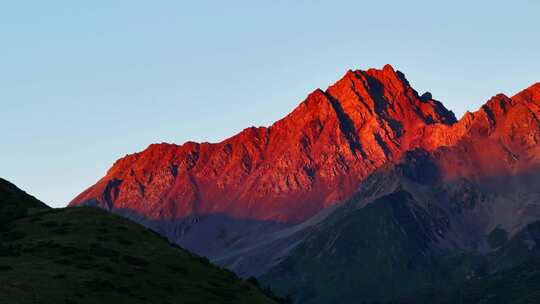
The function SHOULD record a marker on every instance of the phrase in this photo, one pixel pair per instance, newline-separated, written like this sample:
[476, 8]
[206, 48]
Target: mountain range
[367, 191]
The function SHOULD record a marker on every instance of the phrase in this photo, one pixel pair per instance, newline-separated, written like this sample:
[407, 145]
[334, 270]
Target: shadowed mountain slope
[408, 232]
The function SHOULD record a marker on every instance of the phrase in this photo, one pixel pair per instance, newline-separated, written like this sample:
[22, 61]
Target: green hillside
[85, 255]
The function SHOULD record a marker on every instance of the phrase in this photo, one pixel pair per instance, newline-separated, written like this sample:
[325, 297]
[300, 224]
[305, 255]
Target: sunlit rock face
[313, 158]
[318, 154]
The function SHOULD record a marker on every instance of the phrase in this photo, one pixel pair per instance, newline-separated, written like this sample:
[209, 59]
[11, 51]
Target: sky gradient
[83, 84]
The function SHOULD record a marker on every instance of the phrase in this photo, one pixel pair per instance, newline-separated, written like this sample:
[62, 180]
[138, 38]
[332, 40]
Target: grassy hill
[85, 255]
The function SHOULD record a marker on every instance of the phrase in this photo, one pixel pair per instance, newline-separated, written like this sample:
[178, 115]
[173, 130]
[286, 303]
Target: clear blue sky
[83, 83]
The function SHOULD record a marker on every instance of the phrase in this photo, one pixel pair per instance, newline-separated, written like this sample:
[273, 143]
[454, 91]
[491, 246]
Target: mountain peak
[497, 106]
[312, 158]
[388, 94]
[388, 68]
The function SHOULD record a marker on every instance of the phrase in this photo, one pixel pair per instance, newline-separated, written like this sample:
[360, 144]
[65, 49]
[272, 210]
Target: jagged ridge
[317, 155]
[314, 157]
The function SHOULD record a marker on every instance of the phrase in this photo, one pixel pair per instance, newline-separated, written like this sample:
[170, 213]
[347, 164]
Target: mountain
[366, 192]
[313, 158]
[409, 236]
[253, 195]
[86, 255]
[498, 140]
[493, 151]
[429, 223]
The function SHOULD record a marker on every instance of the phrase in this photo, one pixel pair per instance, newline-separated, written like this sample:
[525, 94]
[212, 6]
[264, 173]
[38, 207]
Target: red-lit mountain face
[314, 157]
[499, 140]
[317, 155]
[451, 216]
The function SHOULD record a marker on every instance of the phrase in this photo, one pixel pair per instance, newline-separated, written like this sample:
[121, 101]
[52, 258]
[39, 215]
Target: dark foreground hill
[86, 255]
